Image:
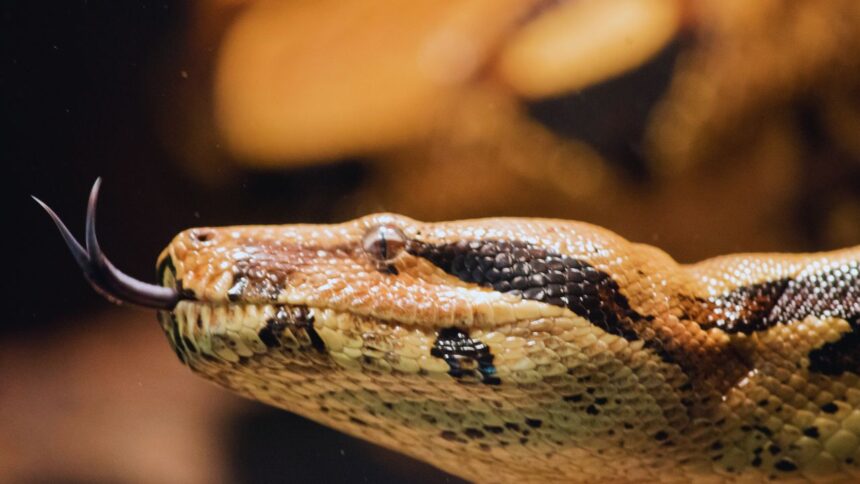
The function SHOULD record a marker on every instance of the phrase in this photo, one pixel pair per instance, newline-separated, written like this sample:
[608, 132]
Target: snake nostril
[203, 235]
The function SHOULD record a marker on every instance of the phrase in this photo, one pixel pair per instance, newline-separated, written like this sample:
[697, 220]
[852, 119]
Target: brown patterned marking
[757, 307]
[535, 273]
[261, 276]
[262, 267]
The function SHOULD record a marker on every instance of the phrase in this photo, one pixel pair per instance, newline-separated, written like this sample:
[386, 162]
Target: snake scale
[525, 350]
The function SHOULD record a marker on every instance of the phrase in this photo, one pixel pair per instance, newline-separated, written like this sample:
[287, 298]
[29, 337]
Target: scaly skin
[532, 350]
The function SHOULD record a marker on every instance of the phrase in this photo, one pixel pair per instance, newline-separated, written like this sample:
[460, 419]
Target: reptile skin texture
[532, 350]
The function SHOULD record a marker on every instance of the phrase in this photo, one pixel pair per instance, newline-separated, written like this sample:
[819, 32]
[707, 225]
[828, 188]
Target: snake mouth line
[200, 318]
[218, 316]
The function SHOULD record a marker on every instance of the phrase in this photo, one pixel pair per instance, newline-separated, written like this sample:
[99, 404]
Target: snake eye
[384, 242]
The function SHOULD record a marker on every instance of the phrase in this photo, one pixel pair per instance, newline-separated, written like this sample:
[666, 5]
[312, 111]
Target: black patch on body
[189, 344]
[452, 436]
[538, 274]
[465, 357]
[268, 333]
[767, 432]
[785, 465]
[839, 356]
[834, 292]
[296, 319]
[829, 407]
[534, 423]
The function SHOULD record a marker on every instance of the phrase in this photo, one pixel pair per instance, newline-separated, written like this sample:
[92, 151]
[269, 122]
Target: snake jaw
[106, 279]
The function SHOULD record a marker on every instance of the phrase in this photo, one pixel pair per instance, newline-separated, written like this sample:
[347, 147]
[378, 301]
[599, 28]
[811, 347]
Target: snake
[521, 349]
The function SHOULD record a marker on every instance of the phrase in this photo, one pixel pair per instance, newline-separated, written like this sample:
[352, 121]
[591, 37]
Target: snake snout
[105, 278]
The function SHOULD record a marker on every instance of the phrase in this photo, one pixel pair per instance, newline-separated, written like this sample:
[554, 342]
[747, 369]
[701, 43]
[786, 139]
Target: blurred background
[702, 127]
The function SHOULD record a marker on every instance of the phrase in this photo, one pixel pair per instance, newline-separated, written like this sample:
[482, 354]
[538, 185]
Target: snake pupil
[384, 243]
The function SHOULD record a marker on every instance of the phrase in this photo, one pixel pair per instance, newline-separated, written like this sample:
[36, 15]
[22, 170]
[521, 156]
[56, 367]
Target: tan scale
[376, 377]
[634, 368]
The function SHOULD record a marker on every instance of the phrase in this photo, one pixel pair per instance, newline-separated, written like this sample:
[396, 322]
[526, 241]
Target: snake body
[532, 350]
[525, 350]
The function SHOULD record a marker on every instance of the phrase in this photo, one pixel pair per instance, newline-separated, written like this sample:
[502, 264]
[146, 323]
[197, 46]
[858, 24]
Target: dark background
[85, 86]
[80, 85]
[88, 90]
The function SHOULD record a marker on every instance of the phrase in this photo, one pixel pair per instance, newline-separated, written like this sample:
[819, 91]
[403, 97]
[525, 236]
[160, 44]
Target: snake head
[107, 280]
[383, 266]
[379, 277]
